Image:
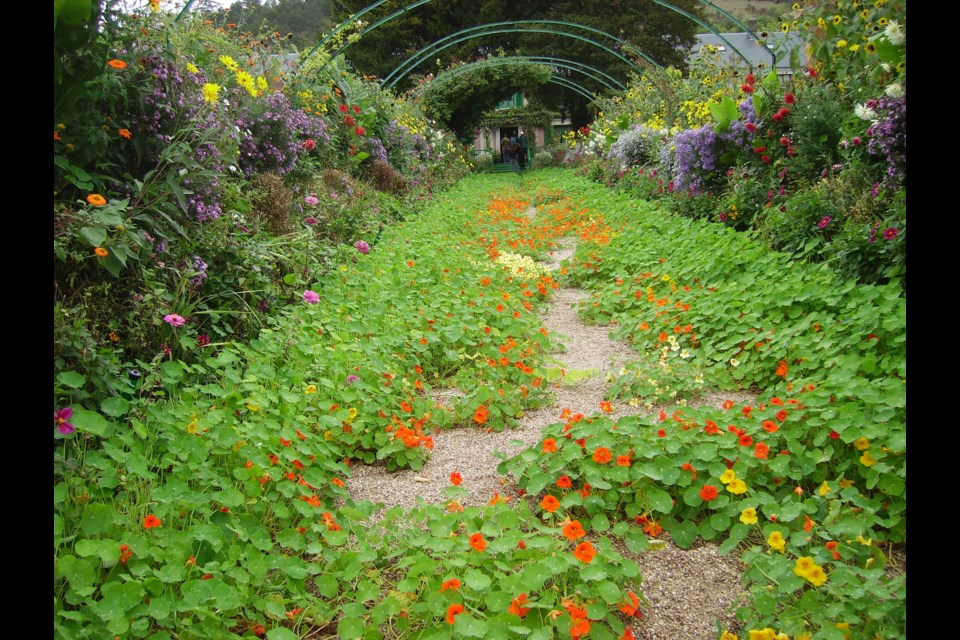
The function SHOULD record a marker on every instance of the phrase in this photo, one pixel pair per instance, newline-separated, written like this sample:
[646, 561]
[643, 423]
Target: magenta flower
[890, 233]
[203, 340]
[60, 416]
[310, 220]
[362, 247]
[350, 380]
[824, 221]
[311, 296]
[174, 320]
[311, 200]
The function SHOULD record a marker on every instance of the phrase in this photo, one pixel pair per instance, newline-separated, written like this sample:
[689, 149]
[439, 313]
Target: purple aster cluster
[272, 132]
[888, 137]
[200, 268]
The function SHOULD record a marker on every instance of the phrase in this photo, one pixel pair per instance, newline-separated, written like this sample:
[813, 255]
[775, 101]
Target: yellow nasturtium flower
[862, 444]
[866, 460]
[776, 541]
[728, 476]
[748, 516]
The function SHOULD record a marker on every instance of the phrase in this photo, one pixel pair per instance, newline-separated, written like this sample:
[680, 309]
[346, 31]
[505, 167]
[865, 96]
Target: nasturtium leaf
[600, 522]
[282, 633]
[658, 499]
[609, 591]
[90, 422]
[593, 572]
[469, 626]
[684, 533]
[115, 406]
[476, 580]
[71, 379]
[349, 628]
[327, 586]
[97, 518]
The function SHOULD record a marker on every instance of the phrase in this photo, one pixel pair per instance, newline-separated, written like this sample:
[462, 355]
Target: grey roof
[779, 43]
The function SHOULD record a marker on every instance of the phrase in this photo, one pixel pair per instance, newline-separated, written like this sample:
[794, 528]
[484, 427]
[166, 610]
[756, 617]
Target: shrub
[272, 203]
[387, 179]
[636, 146]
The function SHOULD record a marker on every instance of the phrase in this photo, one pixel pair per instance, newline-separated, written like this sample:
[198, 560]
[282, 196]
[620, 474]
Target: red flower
[744, 440]
[689, 467]
[623, 461]
[584, 552]
[151, 521]
[631, 608]
[602, 455]
[834, 435]
[573, 530]
[516, 607]
[710, 428]
[349, 121]
[781, 415]
[770, 426]
[456, 478]
[310, 144]
[477, 542]
[356, 109]
[662, 433]
[785, 141]
[125, 553]
[708, 492]
[359, 131]
[564, 482]
[788, 98]
[452, 584]
[761, 451]
[550, 445]
[452, 612]
[343, 108]
[550, 503]
[782, 369]
[832, 548]
[745, 88]
[766, 159]
[746, 412]
[759, 149]
[750, 79]
[752, 128]
[481, 414]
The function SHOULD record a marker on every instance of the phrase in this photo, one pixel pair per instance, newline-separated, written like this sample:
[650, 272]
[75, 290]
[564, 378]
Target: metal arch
[570, 84]
[603, 78]
[417, 58]
[703, 24]
[740, 24]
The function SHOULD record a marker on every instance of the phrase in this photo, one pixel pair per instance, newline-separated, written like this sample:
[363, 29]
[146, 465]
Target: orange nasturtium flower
[117, 64]
[481, 414]
[708, 492]
[456, 478]
[101, 252]
[606, 407]
[550, 503]
[782, 369]
[477, 542]
[96, 199]
[602, 455]
[452, 612]
[584, 552]
[623, 461]
[151, 521]
[550, 445]
[516, 606]
[125, 133]
[452, 584]
[631, 608]
[573, 530]
[564, 482]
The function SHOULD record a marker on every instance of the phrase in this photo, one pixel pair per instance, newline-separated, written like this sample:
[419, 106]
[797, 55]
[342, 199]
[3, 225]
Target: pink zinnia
[890, 233]
[824, 221]
[362, 247]
[174, 320]
[311, 296]
[60, 416]
[311, 200]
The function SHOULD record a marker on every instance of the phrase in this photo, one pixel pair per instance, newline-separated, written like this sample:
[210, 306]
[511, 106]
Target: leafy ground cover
[214, 506]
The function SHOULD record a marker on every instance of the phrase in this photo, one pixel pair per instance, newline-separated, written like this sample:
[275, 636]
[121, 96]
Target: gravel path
[689, 592]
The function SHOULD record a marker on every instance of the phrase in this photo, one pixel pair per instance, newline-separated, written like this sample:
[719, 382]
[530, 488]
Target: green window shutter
[518, 99]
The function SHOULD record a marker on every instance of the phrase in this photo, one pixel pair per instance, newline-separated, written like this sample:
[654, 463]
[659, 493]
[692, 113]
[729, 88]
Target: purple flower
[890, 233]
[311, 296]
[311, 200]
[362, 247]
[350, 380]
[824, 221]
[174, 320]
[60, 416]
[203, 340]
[723, 217]
[310, 220]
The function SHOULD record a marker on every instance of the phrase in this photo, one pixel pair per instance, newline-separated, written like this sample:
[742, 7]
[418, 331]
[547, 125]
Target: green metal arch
[570, 84]
[579, 67]
[466, 34]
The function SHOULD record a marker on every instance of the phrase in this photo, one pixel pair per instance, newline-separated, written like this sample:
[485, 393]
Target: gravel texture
[690, 593]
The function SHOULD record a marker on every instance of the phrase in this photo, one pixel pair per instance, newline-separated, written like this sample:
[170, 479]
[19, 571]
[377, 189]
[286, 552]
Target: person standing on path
[505, 149]
[524, 150]
[514, 151]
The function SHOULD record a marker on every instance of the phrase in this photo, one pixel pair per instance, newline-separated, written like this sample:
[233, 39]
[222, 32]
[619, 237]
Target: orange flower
[452, 584]
[481, 414]
[550, 503]
[686, 466]
[761, 451]
[770, 426]
[606, 407]
[832, 548]
[728, 404]
[573, 530]
[631, 608]
[96, 199]
[452, 612]
[602, 455]
[710, 428]
[708, 492]
[782, 369]
[744, 440]
[117, 64]
[456, 478]
[337, 481]
[151, 521]
[781, 415]
[550, 445]
[564, 482]
[125, 133]
[515, 606]
[584, 552]
[477, 542]
[101, 252]
[623, 461]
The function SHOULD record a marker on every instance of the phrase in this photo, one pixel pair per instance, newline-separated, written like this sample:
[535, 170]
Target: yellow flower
[353, 414]
[748, 515]
[192, 68]
[841, 44]
[728, 476]
[837, 20]
[262, 83]
[804, 565]
[842, 625]
[763, 634]
[824, 489]
[729, 636]
[864, 541]
[846, 483]
[784, 27]
[854, 47]
[816, 576]
[252, 407]
[866, 460]
[229, 63]
[862, 444]
[311, 388]
[737, 487]
[776, 541]
[796, 6]
[821, 23]
[211, 92]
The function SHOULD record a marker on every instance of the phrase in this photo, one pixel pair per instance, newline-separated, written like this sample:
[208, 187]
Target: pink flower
[310, 220]
[311, 200]
[362, 247]
[174, 320]
[60, 416]
[203, 340]
[310, 144]
[788, 98]
[890, 233]
[311, 296]
[824, 221]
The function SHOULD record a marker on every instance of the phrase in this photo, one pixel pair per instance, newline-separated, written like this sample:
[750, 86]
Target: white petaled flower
[864, 112]
[734, 362]
[894, 33]
[895, 90]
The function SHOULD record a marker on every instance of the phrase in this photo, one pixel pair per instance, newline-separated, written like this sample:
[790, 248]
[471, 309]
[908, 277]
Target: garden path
[688, 591]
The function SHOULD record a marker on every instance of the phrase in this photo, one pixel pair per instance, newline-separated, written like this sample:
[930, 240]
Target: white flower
[895, 90]
[864, 112]
[734, 362]
[894, 33]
